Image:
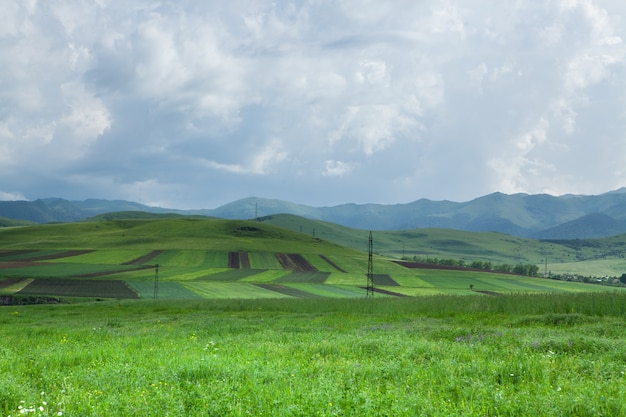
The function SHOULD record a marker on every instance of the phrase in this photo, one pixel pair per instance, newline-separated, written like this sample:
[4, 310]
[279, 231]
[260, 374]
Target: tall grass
[599, 304]
[559, 354]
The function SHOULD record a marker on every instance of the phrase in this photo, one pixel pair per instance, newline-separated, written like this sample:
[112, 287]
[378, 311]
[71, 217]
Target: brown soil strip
[284, 261]
[5, 253]
[331, 263]
[381, 291]
[245, 260]
[233, 260]
[294, 262]
[111, 272]
[282, 289]
[145, 258]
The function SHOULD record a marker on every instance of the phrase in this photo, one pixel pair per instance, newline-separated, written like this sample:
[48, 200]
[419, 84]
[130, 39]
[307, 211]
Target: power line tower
[370, 267]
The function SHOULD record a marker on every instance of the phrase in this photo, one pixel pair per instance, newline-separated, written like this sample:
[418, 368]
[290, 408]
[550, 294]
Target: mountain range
[538, 216]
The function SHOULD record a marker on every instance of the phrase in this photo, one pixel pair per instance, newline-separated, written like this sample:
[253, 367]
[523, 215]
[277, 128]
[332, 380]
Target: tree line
[530, 270]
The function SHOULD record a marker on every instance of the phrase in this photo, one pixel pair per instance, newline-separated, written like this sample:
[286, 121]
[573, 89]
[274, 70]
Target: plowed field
[331, 263]
[238, 260]
[145, 258]
[295, 262]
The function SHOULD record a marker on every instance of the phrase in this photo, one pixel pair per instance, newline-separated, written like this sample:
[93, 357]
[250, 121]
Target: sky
[196, 103]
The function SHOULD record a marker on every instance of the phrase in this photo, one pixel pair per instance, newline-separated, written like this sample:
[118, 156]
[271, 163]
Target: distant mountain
[593, 225]
[521, 215]
[539, 215]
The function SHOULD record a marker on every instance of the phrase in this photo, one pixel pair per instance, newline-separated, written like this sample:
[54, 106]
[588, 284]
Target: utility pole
[370, 267]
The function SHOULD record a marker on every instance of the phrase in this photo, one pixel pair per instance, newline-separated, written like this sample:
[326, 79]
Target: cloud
[9, 196]
[336, 168]
[311, 101]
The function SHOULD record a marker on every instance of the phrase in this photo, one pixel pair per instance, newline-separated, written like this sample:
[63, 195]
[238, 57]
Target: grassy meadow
[256, 319]
[525, 354]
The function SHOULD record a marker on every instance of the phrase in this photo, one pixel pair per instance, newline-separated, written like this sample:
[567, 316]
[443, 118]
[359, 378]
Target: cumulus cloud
[194, 103]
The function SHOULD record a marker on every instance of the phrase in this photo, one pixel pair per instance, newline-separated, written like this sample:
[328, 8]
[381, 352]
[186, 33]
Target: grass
[592, 257]
[165, 290]
[236, 290]
[192, 251]
[543, 354]
[267, 341]
[597, 268]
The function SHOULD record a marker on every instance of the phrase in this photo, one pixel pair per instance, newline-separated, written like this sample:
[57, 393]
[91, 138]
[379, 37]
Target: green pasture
[176, 234]
[165, 290]
[592, 268]
[266, 276]
[238, 290]
[263, 260]
[578, 255]
[193, 253]
[334, 291]
[514, 355]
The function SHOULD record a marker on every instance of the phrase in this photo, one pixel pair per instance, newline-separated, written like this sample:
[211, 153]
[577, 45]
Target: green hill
[447, 243]
[197, 257]
[6, 222]
[166, 233]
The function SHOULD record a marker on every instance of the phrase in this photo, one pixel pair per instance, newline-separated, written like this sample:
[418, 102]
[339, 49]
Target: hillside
[5, 222]
[523, 215]
[195, 258]
[456, 244]
[165, 233]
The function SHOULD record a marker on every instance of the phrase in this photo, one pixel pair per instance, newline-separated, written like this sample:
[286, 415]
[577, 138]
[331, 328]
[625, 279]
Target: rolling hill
[457, 244]
[539, 216]
[119, 255]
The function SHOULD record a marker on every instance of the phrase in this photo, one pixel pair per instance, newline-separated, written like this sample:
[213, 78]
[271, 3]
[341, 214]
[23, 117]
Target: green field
[536, 354]
[469, 246]
[233, 332]
[195, 258]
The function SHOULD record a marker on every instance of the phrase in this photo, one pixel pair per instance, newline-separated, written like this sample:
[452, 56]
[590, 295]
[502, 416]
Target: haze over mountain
[539, 216]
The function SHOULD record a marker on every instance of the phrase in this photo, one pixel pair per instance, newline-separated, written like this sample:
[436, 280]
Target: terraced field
[243, 265]
[188, 274]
